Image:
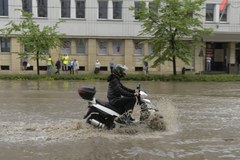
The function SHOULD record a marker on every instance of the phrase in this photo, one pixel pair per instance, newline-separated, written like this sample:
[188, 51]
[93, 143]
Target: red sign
[209, 52]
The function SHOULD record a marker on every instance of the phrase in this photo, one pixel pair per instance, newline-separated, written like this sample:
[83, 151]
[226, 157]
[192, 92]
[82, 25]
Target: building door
[219, 57]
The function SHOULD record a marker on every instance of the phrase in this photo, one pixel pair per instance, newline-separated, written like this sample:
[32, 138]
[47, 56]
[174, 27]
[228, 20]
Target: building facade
[106, 29]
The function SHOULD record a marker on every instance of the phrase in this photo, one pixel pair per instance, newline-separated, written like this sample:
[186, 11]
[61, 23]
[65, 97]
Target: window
[81, 46]
[138, 46]
[4, 8]
[223, 15]
[42, 8]
[117, 47]
[102, 47]
[80, 8]
[65, 8]
[117, 9]
[66, 47]
[153, 7]
[5, 44]
[137, 5]
[102, 9]
[27, 5]
[210, 8]
[214, 14]
[150, 48]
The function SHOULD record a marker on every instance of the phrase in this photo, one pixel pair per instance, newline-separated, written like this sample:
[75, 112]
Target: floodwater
[43, 120]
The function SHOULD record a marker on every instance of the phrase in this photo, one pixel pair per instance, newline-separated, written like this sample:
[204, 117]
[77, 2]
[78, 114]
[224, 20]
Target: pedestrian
[49, 65]
[111, 64]
[76, 66]
[24, 62]
[71, 66]
[209, 61]
[145, 67]
[58, 66]
[97, 67]
[65, 61]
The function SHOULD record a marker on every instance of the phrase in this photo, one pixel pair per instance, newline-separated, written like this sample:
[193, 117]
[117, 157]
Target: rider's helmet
[119, 70]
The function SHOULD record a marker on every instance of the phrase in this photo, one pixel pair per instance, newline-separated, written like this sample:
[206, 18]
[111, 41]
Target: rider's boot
[125, 118]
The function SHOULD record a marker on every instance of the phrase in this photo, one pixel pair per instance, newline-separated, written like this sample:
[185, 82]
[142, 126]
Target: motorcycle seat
[107, 105]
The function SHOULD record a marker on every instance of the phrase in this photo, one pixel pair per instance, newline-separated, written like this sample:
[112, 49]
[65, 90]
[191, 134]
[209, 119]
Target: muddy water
[43, 121]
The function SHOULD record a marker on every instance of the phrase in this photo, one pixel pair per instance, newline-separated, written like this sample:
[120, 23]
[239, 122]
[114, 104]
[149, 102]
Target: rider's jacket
[116, 89]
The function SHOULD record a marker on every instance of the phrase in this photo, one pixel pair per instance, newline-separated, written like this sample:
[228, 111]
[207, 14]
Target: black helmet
[119, 70]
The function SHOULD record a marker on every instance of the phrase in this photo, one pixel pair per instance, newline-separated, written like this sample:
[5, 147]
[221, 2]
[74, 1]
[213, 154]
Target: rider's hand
[136, 94]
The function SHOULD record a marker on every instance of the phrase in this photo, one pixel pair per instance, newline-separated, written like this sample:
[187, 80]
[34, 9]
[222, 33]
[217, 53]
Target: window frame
[117, 9]
[78, 50]
[42, 8]
[7, 45]
[68, 48]
[114, 49]
[210, 10]
[65, 8]
[104, 49]
[224, 17]
[4, 8]
[138, 47]
[102, 9]
[81, 11]
[27, 5]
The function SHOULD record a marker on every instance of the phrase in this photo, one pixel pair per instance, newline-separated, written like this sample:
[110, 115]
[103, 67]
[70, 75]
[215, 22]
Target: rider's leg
[128, 104]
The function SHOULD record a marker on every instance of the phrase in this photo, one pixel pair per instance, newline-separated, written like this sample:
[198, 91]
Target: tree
[35, 40]
[174, 28]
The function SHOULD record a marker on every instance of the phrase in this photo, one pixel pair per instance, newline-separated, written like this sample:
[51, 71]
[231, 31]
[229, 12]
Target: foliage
[174, 28]
[35, 40]
[129, 77]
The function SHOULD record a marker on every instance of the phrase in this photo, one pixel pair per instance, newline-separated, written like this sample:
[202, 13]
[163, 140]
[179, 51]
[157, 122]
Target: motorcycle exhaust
[96, 123]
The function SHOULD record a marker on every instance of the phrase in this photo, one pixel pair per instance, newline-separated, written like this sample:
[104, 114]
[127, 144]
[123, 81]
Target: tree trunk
[174, 66]
[38, 73]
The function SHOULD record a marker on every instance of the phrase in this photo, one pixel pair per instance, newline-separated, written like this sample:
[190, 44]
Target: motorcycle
[101, 114]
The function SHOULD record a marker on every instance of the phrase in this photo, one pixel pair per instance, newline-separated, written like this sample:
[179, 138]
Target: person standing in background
[97, 67]
[209, 61]
[58, 66]
[65, 61]
[71, 66]
[76, 66]
[49, 65]
[111, 64]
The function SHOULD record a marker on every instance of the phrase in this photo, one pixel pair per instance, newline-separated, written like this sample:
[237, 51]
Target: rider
[120, 96]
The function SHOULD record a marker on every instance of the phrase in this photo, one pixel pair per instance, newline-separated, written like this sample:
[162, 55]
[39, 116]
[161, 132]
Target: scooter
[101, 114]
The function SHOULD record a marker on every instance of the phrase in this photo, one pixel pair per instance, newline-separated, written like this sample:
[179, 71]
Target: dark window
[223, 15]
[42, 8]
[27, 5]
[81, 68]
[137, 5]
[138, 68]
[42, 68]
[80, 9]
[4, 67]
[3, 7]
[210, 12]
[102, 9]
[103, 68]
[117, 10]
[81, 46]
[5, 44]
[65, 9]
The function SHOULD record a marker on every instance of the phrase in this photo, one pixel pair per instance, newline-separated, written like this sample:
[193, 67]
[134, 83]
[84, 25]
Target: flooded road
[43, 120]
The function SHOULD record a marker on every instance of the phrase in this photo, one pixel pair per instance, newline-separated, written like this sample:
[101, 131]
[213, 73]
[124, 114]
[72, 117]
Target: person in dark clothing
[120, 96]
[58, 66]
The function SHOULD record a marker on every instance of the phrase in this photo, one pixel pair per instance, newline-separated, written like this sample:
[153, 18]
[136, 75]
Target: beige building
[106, 29]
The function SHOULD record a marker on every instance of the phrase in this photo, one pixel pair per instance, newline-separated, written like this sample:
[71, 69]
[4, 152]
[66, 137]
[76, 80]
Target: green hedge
[134, 77]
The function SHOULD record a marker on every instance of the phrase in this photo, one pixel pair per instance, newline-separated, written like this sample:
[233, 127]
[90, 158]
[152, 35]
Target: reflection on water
[43, 120]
